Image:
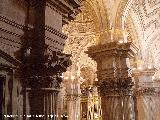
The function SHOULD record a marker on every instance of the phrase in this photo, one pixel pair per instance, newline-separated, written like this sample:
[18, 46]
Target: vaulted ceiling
[104, 21]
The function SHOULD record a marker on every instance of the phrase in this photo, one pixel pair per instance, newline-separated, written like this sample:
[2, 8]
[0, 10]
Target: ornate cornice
[43, 90]
[67, 8]
[42, 81]
[112, 49]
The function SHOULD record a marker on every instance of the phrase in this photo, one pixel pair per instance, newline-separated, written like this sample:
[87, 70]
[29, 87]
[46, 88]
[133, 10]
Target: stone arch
[143, 16]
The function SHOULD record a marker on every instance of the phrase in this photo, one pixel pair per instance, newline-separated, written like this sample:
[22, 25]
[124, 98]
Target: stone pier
[114, 79]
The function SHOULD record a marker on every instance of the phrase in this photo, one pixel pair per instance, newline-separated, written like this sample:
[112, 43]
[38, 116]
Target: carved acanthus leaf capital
[147, 91]
[117, 86]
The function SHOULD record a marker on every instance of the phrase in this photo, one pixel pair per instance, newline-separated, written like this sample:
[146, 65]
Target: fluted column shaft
[73, 107]
[73, 100]
[118, 108]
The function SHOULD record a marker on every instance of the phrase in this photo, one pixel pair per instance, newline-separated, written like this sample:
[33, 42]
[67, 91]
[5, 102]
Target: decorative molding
[11, 40]
[9, 44]
[10, 32]
[54, 31]
[112, 49]
[68, 9]
[55, 41]
[53, 8]
[13, 23]
[21, 26]
[9, 58]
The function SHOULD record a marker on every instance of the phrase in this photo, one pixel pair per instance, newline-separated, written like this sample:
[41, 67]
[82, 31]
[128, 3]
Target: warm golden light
[140, 68]
[150, 67]
[120, 41]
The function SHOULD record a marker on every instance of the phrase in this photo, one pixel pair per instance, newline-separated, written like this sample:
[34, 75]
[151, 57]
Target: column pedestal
[114, 79]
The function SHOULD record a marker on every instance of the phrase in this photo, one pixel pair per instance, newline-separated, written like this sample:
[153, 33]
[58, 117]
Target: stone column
[114, 79]
[61, 101]
[41, 86]
[97, 104]
[147, 93]
[73, 99]
[43, 61]
[85, 115]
